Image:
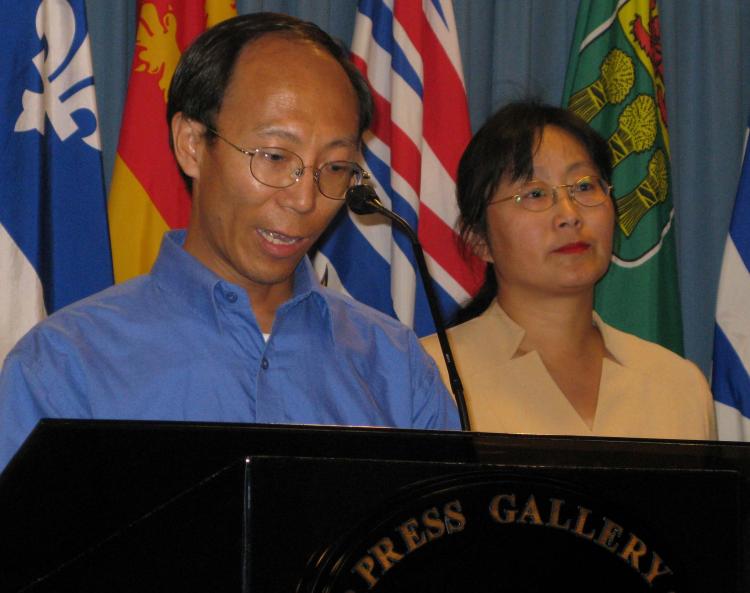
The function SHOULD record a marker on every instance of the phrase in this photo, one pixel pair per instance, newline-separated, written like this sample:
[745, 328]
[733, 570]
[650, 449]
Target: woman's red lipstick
[578, 247]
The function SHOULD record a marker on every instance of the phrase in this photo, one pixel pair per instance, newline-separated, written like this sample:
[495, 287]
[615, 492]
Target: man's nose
[302, 194]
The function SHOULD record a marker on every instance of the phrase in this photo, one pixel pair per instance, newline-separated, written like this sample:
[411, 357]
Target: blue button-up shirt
[182, 344]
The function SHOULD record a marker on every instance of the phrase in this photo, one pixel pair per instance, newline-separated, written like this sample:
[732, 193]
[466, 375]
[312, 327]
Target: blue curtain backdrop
[515, 48]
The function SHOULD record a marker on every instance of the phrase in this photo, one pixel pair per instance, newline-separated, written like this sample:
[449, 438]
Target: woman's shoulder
[676, 390]
[646, 356]
[491, 328]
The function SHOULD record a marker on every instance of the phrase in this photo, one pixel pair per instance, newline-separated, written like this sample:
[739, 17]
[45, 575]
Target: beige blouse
[647, 391]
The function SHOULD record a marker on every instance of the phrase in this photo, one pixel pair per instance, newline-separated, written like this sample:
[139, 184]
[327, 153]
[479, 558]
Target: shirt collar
[617, 343]
[179, 272]
[512, 332]
[307, 286]
[613, 339]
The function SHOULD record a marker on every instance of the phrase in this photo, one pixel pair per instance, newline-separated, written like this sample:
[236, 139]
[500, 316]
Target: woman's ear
[187, 139]
[480, 247]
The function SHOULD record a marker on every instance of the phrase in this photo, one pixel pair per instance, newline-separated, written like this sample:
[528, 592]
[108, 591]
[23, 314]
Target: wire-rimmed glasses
[279, 168]
[538, 196]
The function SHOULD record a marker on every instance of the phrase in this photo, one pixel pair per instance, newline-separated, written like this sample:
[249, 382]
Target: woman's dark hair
[504, 148]
[205, 68]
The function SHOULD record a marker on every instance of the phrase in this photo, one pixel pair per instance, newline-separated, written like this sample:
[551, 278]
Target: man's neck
[265, 301]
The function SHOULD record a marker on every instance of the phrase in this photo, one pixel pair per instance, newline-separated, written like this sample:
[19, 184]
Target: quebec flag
[731, 368]
[54, 247]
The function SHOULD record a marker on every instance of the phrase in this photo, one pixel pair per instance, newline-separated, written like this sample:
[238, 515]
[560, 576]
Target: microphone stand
[362, 199]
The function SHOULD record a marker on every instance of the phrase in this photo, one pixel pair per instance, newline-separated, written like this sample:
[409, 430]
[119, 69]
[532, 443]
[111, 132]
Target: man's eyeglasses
[538, 196]
[280, 168]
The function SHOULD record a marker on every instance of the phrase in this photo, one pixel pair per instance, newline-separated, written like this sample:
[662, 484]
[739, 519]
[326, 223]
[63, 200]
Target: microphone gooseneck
[362, 199]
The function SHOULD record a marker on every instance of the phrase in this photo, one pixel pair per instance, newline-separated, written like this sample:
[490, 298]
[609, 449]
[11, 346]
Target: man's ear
[187, 138]
[480, 247]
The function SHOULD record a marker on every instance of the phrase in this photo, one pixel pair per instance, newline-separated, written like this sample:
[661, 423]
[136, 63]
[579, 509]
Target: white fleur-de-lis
[56, 22]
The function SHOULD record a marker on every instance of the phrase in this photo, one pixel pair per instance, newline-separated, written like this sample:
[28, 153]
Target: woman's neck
[553, 322]
[560, 330]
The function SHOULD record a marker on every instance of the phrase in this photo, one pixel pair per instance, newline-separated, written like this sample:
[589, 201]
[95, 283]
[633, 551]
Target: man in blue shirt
[231, 325]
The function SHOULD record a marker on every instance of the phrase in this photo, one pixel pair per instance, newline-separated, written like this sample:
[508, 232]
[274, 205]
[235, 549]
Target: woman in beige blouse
[536, 203]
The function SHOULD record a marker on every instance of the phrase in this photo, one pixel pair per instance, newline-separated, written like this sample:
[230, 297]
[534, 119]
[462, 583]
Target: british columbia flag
[409, 53]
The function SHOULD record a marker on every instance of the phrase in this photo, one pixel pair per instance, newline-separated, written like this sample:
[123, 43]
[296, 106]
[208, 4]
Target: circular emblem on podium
[494, 532]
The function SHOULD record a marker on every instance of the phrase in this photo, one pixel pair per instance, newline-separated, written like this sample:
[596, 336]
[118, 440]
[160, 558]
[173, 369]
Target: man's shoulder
[92, 314]
[119, 297]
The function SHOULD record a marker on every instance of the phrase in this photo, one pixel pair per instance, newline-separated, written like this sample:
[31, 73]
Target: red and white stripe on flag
[409, 53]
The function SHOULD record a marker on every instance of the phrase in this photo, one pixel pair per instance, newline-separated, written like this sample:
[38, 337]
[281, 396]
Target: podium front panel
[155, 506]
[356, 526]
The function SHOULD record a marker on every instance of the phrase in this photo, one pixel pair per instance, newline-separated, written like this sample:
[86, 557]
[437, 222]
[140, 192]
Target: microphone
[362, 199]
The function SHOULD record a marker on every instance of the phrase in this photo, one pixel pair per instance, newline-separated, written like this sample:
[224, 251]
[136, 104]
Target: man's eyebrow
[346, 142]
[276, 132]
[290, 136]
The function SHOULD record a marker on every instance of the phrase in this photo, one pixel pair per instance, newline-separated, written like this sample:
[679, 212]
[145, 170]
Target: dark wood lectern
[153, 506]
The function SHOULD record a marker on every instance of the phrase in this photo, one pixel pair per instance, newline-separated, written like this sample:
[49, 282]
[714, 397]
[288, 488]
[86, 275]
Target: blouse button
[232, 297]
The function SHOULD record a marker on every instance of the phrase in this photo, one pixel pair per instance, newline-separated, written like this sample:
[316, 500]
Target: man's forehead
[282, 45]
[283, 60]
[278, 74]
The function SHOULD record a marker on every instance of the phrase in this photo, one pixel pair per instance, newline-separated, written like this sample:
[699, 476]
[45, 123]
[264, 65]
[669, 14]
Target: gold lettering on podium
[609, 534]
[414, 533]
[436, 522]
[554, 515]
[412, 536]
[507, 515]
[656, 568]
[530, 512]
[454, 518]
[579, 529]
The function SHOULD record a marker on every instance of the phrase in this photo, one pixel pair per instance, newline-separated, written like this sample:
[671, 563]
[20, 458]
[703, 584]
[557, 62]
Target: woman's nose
[567, 209]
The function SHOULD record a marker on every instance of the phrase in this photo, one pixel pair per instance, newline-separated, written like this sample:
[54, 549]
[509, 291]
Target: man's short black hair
[205, 68]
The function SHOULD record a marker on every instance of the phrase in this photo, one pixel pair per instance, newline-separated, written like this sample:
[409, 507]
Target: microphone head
[361, 199]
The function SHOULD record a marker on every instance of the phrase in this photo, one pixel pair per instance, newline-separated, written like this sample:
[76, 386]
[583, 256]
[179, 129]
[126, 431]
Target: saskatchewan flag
[615, 81]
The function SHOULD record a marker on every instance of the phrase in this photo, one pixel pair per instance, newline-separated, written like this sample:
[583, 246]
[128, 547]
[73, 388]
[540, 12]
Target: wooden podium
[155, 506]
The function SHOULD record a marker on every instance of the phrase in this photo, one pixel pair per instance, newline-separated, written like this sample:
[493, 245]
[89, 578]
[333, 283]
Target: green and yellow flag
[615, 81]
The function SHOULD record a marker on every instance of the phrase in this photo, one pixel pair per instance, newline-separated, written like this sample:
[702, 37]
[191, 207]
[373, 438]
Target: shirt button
[232, 297]
[264, 364]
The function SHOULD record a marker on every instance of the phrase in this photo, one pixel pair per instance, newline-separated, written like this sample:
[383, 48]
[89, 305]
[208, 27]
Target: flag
[615, 81]
[147, 196]
[409, 53]
[731, 379]
[54, 247]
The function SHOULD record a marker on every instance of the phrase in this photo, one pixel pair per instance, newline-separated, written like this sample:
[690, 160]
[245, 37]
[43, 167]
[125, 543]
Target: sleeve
[433, 406]
[19, 409]
[712, 430]
[691, 387]
[709, 416]
[26, 395]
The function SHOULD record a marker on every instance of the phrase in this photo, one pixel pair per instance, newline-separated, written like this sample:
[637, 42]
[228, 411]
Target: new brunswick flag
[148, 196]
[615, 81]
